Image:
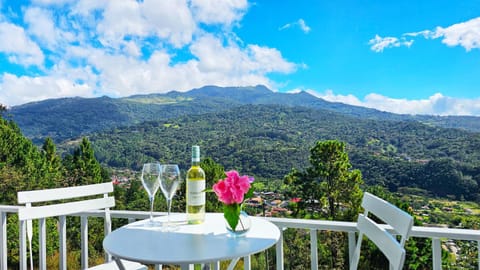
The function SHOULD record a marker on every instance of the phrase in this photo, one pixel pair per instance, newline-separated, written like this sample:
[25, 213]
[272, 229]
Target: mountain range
[65, 118]
[265, 134]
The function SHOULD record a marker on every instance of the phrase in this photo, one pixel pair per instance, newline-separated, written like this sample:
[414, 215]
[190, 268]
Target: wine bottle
[195, 189]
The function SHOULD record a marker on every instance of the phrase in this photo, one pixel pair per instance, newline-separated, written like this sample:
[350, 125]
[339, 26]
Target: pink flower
[295, 200]
[233, 188]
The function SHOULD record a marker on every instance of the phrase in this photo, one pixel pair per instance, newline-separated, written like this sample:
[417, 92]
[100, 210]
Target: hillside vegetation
[65, 118]
[264, 133]
[268, 141]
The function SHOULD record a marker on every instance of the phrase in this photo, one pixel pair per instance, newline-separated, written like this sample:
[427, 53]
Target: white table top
[202, 243]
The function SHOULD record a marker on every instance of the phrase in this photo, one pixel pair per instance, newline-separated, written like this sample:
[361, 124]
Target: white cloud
[330, 96]
[41, 25]
[125, 74]
[171, 20]
[294, 91]
[22, 89]
[214, 63]
[19, 48]
[233, 60]
[120, 48]
[87, 8]
[269, 60]
[300, 23]
[436, 104]
[52, 2]
[224, 12]
[378, 43]
[120, 19]
[465, 34]
[305, 28]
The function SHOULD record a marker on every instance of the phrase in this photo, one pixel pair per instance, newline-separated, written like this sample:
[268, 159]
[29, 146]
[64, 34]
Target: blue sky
[414, 57]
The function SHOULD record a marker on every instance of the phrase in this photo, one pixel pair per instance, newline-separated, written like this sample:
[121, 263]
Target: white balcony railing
[313, 226]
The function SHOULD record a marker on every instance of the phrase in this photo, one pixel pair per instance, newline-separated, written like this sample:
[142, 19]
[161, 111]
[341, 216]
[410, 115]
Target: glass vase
[243, 226]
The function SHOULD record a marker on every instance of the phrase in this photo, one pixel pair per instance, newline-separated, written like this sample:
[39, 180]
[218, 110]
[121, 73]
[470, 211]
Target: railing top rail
[439, 232]
[343, 226]
[121, 214]
[10, 208]
[307, 224]
[328, 225]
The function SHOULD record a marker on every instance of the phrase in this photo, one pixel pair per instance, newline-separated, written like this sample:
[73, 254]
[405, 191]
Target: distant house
[255, 202]
[115, 180]
[276, 202]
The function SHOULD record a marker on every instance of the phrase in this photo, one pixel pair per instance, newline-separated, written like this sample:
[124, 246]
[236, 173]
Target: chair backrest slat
[387, 212]
[61, 209]
[47, 195]
[389, 246]
[78, 199]
[399, 220]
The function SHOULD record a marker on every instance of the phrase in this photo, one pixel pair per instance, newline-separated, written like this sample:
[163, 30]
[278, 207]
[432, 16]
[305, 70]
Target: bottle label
[196, 193]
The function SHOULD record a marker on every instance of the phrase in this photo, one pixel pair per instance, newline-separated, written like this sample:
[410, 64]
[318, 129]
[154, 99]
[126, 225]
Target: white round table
[190, 244]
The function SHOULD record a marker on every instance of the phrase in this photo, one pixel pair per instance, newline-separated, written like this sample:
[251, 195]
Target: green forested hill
[268, 141]
[65, 118]
[264, 133]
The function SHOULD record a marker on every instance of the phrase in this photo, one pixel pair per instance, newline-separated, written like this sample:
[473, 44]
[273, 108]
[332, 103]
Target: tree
[53, 163]
[442, 178]
[332, 183]
[82, 167]
[10, 180]
[213, 172]
[18, 153]
[22, 167]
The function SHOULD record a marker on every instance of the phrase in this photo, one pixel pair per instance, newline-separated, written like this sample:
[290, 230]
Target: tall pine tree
[330, 189]
[82, 167]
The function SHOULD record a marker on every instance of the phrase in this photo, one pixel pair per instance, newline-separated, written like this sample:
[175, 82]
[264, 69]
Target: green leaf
[231, 212]
[249, 194]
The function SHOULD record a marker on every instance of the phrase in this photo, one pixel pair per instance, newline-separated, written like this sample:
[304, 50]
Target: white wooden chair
[400, 221]
[98, 199]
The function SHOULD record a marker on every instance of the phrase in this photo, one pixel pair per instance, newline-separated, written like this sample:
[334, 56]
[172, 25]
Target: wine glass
[151, 182]
[169, 181]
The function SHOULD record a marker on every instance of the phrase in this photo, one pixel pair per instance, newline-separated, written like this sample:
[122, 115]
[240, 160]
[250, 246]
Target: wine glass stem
[169, 205]
[151, 209]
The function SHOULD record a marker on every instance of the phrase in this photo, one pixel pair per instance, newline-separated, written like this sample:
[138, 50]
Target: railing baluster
[63, 242]
[352, 242]
[247, 263]
[436, 234]
[107, 227]
[215, 265]
[23, 245]
[3, 237]
[313, 249]
[478, 254]
[42, 243]
[84, 241]
[436, 254]
[279, 251]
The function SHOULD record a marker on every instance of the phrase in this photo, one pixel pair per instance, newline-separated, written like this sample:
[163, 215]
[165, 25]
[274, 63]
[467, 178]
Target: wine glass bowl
[151, 182]
[170, 179]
